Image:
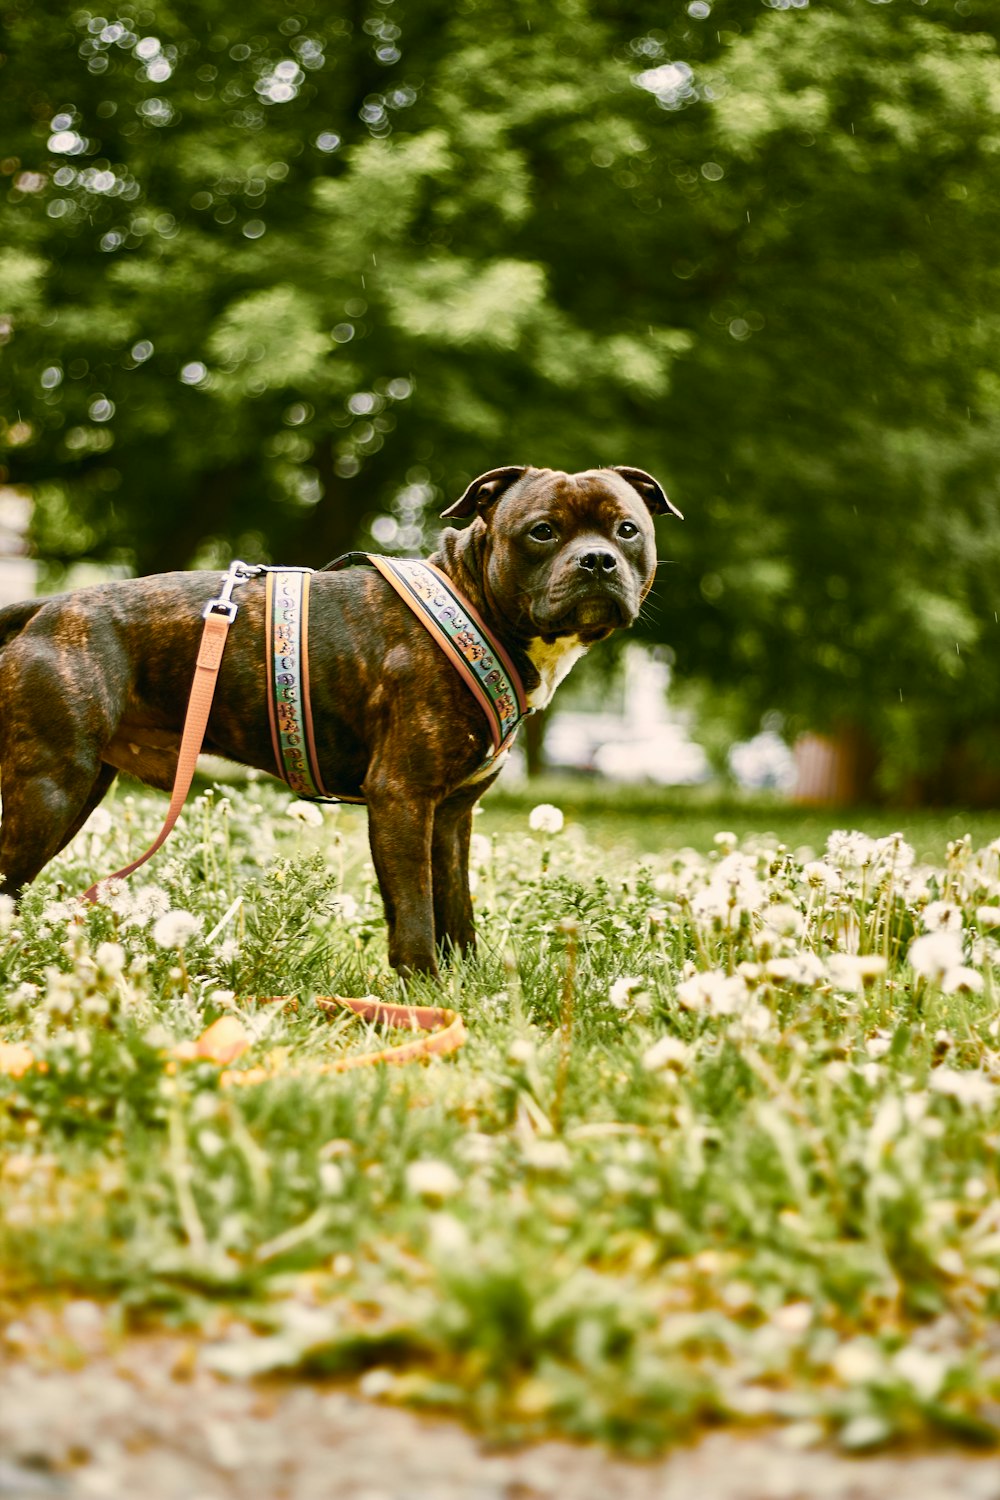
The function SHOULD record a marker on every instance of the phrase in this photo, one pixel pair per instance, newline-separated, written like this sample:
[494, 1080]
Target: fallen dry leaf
[15, 1059]
[223, 1042]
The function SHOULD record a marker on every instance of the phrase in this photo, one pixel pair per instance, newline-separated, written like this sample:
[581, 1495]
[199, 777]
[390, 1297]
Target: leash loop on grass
[226, 1040]
[446, 1028]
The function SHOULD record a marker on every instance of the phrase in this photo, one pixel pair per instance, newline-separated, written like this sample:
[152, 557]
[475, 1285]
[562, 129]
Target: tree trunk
[533, 739]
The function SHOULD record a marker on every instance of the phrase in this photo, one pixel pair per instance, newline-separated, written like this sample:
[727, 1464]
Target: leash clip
[238, 573]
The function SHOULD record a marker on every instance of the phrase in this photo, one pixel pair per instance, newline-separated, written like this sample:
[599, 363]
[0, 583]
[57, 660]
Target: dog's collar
[476, 654]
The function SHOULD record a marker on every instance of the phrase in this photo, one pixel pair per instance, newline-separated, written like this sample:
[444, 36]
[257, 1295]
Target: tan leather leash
[218, 615]
[446, 1027]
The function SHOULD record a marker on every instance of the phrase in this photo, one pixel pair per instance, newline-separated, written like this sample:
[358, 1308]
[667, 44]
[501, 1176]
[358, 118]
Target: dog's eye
[542, 532]
[628, 529]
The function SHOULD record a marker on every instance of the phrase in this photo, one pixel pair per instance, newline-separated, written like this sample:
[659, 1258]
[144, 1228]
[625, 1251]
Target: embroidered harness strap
[288, 701]
[477, 656]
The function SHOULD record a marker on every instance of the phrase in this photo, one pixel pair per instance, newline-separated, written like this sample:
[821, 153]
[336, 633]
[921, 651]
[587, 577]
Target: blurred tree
[275, 274]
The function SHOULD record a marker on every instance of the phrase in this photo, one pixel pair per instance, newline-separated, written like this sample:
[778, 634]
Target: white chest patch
[553, 660]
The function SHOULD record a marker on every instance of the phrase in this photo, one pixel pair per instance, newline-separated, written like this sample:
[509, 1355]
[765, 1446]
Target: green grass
[652, 819]
[687, 1168]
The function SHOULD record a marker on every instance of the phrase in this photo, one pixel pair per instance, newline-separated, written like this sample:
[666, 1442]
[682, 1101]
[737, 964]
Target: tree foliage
[273, 274]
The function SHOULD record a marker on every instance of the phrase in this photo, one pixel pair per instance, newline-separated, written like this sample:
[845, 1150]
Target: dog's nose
[597, 562]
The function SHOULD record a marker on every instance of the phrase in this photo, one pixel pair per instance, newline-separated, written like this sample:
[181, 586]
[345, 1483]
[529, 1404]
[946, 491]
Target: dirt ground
[81, 1419]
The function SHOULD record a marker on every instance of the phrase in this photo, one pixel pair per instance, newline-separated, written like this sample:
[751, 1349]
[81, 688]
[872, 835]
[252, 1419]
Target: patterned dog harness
[453, 624]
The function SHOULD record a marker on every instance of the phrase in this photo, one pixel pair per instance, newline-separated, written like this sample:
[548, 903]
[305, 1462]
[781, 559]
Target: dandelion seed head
[621, 992]
[99, 822]
[432, 1179]
[546, 818]
[175, 928]
[305, 812]
[942, 916]
[933, 954]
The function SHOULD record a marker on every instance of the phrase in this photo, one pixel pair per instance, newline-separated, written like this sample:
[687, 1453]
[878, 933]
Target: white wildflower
[545, 818]
[432, 1179]
[480, 849]
[8, 911]
[885, 1127]
[753, 1021]
[618, 1179]
[942, 916]
[449, 1237]
[118, 897]
[985, 952]
[962, 979]
[878, 1045]
[822, 876]
[851, 851]
[346, 908]
[99, 822]
[802, 969]
[147, 904]
[305, 812]
[894, 852]
[546, 1155]
[850, 972]
[668, 1052]
[725, 840]
[857, 1362]
[915, 885]
[988, 916]
[793, 1318]
[966, 1086]
[55, 912]
[621, 992]
[783, 920]
[932, 955]
[714, 991]
[110, 958]
[331, 1178]
[922, 1370]
[732, 890]
[174, 928]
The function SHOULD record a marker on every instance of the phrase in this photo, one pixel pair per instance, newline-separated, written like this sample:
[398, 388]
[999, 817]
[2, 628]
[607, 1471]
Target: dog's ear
[484, 491]
[650, 489]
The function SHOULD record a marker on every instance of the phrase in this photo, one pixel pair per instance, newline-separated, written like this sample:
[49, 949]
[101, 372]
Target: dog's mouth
[590, 618]
[597, 612]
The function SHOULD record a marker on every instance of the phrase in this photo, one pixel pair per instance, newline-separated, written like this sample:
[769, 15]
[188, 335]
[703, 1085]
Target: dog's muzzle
[590, 599]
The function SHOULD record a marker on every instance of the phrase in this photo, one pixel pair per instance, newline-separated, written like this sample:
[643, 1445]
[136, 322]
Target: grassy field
[650, 819]
[721, 1145]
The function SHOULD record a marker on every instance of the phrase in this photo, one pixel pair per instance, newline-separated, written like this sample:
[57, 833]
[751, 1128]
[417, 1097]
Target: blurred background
[277, 278]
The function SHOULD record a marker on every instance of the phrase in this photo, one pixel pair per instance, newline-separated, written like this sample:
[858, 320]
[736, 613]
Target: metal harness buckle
[238, 573]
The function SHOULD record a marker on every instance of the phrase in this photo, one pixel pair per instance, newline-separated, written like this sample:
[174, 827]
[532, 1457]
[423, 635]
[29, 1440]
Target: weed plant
[721, 1146]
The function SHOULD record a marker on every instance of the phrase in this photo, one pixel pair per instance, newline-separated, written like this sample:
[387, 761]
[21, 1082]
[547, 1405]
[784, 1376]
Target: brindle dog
[96, 681]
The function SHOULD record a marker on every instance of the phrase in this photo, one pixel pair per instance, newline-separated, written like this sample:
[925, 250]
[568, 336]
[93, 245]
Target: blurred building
[18, 571]
[634, 736]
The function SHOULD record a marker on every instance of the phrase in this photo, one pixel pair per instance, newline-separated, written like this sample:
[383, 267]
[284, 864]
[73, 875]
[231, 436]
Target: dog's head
[566, 554]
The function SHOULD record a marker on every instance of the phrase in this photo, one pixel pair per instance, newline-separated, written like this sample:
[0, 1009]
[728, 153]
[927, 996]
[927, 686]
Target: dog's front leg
[400, 826]
[453, 925]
